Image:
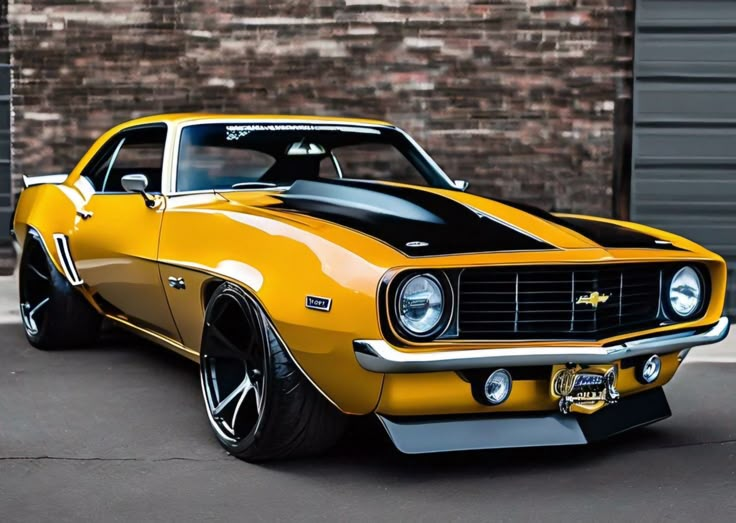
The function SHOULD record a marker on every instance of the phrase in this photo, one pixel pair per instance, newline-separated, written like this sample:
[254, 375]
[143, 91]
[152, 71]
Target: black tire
[55, 315]
[291, 418]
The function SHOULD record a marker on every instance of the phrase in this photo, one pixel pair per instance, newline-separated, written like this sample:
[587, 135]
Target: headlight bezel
[669, 310]
[448, 304]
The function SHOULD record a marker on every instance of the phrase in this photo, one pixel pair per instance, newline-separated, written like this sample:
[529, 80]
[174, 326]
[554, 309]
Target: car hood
[431, 222]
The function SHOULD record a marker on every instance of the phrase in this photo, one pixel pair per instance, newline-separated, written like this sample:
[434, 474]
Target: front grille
[542, 303]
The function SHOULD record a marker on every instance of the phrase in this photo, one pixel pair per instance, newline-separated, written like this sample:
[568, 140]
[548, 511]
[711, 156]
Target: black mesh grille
[508, 303]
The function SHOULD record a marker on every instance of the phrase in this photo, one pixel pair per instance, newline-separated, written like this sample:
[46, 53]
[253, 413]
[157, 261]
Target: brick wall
[516, 96]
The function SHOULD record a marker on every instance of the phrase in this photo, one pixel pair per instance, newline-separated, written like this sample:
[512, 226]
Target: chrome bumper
[379, 356]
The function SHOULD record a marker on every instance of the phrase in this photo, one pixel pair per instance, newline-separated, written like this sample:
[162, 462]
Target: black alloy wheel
[233, 368]
[35, 288]
[259, 403]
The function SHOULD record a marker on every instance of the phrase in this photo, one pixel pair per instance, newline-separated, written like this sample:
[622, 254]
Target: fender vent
[65, 257]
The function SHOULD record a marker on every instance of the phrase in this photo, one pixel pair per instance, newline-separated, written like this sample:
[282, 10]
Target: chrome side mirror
[137, 183]
[460, 184]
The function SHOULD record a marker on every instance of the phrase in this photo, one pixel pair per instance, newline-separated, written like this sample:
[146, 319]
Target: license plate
[585, 391]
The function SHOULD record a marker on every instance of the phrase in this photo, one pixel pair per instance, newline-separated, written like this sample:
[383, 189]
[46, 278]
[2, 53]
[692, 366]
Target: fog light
[498, 386]
[651, 368]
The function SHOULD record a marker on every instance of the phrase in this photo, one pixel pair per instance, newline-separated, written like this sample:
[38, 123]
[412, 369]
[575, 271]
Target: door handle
[85, 215]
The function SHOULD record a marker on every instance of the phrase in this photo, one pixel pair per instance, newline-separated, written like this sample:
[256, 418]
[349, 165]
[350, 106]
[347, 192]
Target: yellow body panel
[127, 248]
[207, 238]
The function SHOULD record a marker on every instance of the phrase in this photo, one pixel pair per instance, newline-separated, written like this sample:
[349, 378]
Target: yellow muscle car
[317, 268]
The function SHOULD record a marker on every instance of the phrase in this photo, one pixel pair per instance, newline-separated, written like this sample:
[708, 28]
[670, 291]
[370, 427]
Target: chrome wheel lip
[41, 276]
[27, 312]
[252, 383]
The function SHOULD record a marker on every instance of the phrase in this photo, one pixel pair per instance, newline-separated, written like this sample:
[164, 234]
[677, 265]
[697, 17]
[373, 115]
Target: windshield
[259, 155]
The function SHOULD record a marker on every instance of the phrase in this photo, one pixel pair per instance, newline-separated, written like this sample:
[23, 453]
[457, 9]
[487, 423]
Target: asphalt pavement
[118, 432]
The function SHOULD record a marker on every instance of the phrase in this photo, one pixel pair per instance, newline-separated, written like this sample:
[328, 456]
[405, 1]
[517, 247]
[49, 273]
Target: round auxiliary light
[420, 304]
[651, 369]
[685, 292]
[498, 387]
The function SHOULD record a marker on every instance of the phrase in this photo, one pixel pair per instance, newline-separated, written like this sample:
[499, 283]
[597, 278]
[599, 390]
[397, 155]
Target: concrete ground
[7, 258]
[118, 433]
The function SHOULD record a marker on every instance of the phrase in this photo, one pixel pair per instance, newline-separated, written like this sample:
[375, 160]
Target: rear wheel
[259, 404]
[54, 314]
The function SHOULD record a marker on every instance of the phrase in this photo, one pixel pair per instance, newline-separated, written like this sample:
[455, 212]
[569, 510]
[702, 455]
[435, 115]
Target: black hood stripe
[415, 222]
[607, 235]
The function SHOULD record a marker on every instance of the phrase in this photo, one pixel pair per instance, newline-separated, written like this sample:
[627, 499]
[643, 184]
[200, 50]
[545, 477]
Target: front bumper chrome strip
[379, 356]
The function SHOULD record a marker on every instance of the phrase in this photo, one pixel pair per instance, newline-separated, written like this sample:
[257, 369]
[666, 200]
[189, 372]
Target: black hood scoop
[415, 222]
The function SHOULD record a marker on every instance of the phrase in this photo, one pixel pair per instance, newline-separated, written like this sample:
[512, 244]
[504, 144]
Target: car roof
[183, 118]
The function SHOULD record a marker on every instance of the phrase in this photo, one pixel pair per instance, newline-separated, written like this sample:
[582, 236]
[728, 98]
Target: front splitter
[424, 434]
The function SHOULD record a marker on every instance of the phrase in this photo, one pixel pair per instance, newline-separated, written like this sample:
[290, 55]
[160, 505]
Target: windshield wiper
[253, 185]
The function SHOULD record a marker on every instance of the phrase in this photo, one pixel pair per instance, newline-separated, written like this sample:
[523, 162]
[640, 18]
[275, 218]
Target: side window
[327, 168]
[97, 169]
[138, 151]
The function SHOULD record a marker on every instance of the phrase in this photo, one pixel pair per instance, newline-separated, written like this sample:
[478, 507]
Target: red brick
[513, 95]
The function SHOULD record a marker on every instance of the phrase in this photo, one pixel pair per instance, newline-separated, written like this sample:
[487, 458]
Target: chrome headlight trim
[404, 328]
[686, 282]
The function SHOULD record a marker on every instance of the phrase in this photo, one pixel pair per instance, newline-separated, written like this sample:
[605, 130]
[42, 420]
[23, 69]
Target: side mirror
[460, 184]
[137, 183]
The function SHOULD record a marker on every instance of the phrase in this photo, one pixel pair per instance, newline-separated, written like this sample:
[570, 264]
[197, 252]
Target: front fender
[279, 264]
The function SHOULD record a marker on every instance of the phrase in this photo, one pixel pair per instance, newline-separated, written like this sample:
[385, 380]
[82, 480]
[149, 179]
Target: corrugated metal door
[684, 135]
[5, 183]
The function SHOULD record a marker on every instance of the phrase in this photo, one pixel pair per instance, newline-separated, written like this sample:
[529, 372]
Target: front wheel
[259, 404]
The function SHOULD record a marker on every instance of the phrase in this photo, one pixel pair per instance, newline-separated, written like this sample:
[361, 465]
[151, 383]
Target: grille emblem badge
[593, 299]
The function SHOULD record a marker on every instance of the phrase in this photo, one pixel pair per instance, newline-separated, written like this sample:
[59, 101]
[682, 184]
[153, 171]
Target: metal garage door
[5, 185]
[684, 136]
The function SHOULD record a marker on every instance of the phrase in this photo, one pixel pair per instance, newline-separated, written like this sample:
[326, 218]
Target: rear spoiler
[56, 179]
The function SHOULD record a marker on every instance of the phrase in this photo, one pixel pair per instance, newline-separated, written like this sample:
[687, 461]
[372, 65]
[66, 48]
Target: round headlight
[420, 304]
[685, 292]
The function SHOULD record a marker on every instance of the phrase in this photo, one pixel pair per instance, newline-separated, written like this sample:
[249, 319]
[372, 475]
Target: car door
[116, 246]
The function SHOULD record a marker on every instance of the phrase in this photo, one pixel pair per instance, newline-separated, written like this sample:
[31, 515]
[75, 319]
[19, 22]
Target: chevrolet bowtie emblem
[593, 299]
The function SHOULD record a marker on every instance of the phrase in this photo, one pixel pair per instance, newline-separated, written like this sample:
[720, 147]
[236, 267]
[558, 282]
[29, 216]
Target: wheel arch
[208, 291]
[34, 215]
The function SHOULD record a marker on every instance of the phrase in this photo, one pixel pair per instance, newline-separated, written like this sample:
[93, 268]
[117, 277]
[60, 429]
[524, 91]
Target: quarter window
[375, 161]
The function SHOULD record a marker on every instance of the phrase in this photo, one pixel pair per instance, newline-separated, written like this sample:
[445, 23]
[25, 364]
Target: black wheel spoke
[222, 346]
[217, 313]
[233, 367]
[35, 289]
[251, 394]
[43, 303]
[243, 388]
[38, 273]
